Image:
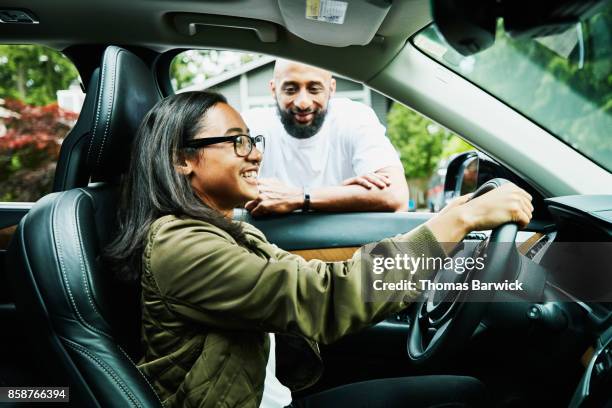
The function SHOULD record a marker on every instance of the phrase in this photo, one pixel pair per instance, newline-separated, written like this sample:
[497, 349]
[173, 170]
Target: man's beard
[298, 130]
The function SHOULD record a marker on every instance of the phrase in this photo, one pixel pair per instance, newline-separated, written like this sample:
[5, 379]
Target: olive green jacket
[208, 304]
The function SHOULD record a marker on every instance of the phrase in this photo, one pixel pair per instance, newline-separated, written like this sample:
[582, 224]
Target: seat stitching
[98, 108]
[141, 374]
[63, 270]
[110, 103]
[82, 262]
[106, 368]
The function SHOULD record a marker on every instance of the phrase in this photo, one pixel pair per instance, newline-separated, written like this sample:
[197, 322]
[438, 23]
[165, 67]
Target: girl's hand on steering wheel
[507, 203]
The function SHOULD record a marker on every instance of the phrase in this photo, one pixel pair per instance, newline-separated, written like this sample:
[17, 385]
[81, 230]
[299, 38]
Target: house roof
[227, 75]
[216, 80]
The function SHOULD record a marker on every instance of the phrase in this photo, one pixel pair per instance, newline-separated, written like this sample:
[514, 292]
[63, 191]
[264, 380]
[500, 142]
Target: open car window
[561, 82]
[423, 146]
[40, 101]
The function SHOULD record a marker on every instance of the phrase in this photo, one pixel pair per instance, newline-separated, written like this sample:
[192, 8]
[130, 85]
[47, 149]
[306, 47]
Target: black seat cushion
[77, 315]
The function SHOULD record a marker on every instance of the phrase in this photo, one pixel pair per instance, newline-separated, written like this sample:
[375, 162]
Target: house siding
[379, 104]
[231, 90]
[259, 80]
[258, 91]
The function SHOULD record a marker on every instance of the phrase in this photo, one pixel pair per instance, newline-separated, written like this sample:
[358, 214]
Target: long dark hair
[153, 188]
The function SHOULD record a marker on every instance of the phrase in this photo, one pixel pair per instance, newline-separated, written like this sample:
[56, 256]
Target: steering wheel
[445, 322]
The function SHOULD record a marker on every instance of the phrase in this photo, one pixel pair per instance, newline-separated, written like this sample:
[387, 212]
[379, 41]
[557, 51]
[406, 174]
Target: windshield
[562, 82]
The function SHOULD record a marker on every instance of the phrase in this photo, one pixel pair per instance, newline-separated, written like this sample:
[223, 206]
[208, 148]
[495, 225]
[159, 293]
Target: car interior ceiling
[55, 297]
[146, 29]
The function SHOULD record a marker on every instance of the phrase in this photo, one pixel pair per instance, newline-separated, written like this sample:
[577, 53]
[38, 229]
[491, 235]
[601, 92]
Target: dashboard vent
[537, 247]
[602, 369]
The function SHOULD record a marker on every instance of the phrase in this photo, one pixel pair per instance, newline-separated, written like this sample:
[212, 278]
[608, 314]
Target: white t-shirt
[275, 394]
[350, 143]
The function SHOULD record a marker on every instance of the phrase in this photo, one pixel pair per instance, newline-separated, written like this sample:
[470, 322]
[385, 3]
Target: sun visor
[335, 23]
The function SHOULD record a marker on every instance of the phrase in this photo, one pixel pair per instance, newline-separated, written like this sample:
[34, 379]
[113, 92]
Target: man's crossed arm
[383, 190]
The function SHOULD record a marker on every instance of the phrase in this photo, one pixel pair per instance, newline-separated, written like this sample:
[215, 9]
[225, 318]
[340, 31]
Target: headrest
[126, 93]
[71, 170]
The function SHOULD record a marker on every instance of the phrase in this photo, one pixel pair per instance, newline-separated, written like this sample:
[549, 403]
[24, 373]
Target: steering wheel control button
[549, 315]
[534, 312]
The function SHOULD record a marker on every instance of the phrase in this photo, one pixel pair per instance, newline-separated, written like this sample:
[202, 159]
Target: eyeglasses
[243, 144]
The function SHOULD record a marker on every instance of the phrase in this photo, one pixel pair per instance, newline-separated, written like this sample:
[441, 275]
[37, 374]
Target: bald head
[284, 67]
[302, 93]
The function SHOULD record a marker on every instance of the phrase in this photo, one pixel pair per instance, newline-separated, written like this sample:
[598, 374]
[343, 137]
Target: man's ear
[273, 88]
[332, 87]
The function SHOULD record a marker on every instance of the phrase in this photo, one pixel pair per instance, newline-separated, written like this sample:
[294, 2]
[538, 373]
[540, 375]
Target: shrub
[30, 149]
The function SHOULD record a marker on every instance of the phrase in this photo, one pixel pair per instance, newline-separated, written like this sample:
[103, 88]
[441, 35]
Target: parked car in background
[435, 187]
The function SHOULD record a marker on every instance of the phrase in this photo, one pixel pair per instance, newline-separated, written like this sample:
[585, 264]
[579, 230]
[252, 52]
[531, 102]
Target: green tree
[419, 141]
[421, 144]
[563, 82]
[33, 74]
[196, 66]
[455, 145]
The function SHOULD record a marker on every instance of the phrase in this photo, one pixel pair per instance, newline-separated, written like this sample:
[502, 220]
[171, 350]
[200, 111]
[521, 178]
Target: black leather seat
[71, 170]
[83, 323]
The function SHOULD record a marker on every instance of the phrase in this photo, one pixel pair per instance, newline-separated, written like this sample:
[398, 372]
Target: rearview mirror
[469, 25]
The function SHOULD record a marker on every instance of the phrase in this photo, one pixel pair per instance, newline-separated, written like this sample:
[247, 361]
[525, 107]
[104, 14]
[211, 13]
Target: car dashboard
[584, 276]
[573, 247]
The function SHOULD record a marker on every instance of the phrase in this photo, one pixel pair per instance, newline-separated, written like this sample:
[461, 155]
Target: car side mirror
[467, 171]
[461, 175]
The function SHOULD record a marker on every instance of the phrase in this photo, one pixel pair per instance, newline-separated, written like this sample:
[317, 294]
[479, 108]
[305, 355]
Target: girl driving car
[229, 319]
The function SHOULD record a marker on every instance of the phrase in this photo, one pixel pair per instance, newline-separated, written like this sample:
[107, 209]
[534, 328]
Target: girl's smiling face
[221, 178]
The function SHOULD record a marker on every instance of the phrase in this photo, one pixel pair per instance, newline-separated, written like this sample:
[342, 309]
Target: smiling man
[322, 153]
